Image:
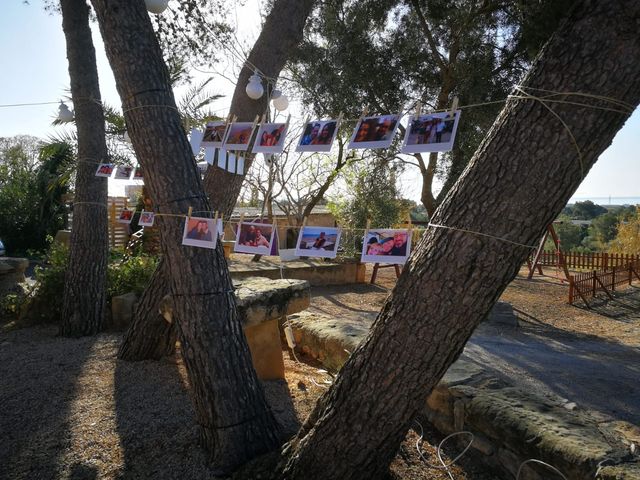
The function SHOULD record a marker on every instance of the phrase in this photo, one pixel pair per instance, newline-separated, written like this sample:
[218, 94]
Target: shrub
[131, 274]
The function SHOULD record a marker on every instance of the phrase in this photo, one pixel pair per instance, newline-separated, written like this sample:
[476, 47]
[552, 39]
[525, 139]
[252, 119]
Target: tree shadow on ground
[592, 371]
[39, 373]
[156, 420]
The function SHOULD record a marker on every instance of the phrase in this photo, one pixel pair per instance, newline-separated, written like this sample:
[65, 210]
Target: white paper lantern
[64, 114]
[254, 89]
[156, 6]
[281, 103]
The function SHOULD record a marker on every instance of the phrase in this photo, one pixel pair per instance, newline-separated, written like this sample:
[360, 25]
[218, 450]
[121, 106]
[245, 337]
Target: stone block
[266, 350]
[122, 308]
[12, 273]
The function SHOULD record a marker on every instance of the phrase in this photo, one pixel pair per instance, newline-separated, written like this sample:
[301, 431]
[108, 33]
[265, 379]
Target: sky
[34, 69]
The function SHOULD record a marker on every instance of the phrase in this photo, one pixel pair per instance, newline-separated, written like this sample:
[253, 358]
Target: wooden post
[112, 223]
[571, 287]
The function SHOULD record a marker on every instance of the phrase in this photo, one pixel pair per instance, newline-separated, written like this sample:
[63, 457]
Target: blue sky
[34, 69]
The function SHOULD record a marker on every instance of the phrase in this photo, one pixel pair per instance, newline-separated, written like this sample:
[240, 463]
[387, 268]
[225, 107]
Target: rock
[12, 273]
[122, 308]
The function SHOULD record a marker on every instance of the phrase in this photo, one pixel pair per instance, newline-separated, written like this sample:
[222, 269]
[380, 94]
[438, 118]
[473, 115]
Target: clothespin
[366, 229]
[418, 109]
[365, 111]
[339, 120]
[264, 117]
[241, 219]
[215, 221]
[288, 120]
[255, 121]
[410, 224]
[189, 213]
[454, 107]
[126, 200]
[304, 222]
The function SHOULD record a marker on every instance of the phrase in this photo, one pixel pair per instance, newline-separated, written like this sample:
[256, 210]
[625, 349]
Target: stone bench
[509, 424]
[262, 302]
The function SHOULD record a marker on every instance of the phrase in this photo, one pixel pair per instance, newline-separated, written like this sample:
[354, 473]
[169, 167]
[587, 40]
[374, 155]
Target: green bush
[130, 274]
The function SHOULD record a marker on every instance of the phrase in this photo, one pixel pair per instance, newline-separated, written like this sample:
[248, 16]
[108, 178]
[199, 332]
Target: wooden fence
[587, 261]
[118, 232]
[588, 284]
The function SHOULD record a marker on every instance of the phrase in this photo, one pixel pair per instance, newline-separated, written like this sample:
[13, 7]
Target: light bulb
[64, 114]
[156, 6]
[254, 89]
[281, 103]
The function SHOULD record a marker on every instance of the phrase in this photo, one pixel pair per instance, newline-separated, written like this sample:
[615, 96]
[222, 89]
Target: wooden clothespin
[288, 120]
[189, 213]
[264, 117]
[339, 120]
[454, 107]
[366, 229]
[255, 121]
[418, 109]
[126, 202]
[365, 111]
[304, 222]
[241, 218]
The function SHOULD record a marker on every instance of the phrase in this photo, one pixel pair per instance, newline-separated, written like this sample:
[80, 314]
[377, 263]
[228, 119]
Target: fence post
[571, 289]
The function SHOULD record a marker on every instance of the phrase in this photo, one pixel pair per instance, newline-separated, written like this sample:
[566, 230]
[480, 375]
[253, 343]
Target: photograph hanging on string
[318, 242]
[255, 238]
[374, 132]
[125, 216]
[213, 134]
[146, 219]
[270, 138]
[199, 232]
[123, 172]
[433, 132]
[386, 246]
[138, 174]
[238, 136]
[105, 170]
[318, 136]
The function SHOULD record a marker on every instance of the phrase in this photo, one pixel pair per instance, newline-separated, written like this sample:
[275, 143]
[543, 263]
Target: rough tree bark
[84, 298]
[149, 336]
[520, 178]
[234, 419]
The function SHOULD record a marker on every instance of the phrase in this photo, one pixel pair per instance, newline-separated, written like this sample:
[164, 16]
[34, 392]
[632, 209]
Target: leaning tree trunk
[520, 178]
[148, 336]
[84, 296]
[234, 419]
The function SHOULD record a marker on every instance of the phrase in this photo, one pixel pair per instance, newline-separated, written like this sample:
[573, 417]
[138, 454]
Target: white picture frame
[248, 240]
[431, 132]
[238, 136]
[374, 132]
[200, 232]
[213, 135]
[146, 218]
[320, 242]
[318, 136]
[386, 245]
[105, 170]
[271, 137]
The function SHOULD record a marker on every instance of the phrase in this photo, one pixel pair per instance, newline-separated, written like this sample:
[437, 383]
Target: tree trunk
[281, 33]
[84, 298]
[235, 421]
[520, 178]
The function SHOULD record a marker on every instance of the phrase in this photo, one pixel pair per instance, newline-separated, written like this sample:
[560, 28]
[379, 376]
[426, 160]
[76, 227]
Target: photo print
[239, 135]
[213, 134]
[374, 132]
[125, 216]
[434, 132]
[104, 170]
[199, 232]
[318, 136]
[386, 246]
[255, 238]
[138, 174]
[318, 242]
[123, 172]
[146, 219]
[270, 138]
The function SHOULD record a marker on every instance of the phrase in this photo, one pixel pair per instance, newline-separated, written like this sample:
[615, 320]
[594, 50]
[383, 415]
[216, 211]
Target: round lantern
[254, 89]
[156, 6]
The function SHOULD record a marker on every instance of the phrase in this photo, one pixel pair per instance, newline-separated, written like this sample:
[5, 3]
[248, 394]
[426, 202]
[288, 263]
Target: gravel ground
[69, 409]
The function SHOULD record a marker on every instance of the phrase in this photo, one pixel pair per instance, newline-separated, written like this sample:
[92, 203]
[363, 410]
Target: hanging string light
[280, 101]
[254, 89]
[156, 6]
[64, 114]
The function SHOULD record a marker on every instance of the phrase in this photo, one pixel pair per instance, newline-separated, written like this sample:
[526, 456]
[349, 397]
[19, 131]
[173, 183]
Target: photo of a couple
[255, 238]
[271, 138]
[433, 132]
[386, 246]
[374, 132]
[318, 136]
[199, 232]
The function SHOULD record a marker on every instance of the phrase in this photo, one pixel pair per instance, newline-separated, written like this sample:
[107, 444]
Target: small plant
[130, 274]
